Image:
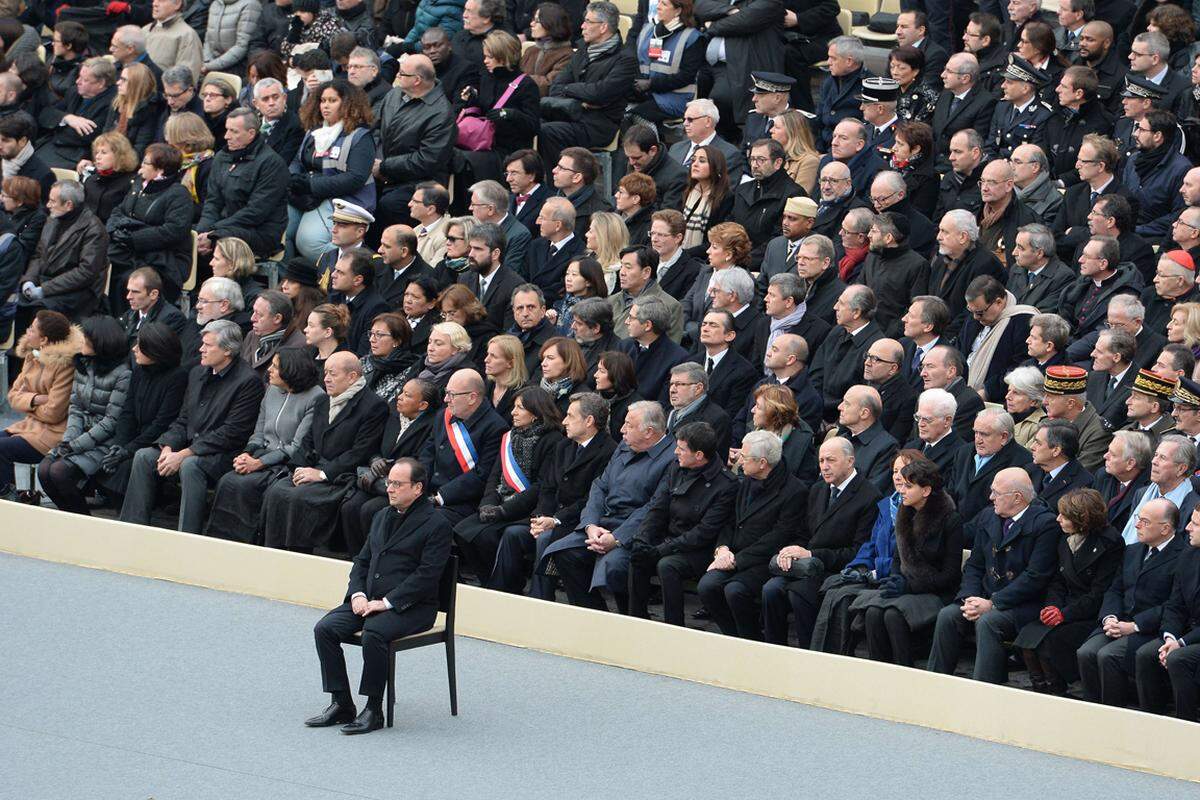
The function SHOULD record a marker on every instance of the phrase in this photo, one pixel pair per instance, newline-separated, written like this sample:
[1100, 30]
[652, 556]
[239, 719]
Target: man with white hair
[280, 127]
[838, 99]
[1036, 276]
[994, 450]
[889, 192]
[214, 423]
[1014, 553]
[1174, 283]
[935, 436]
[1171, 469]
[732, 290]
[128, 46]
[700, 118]
[1033, 184]
[944, 367]
[962, 105]
[1125, 473]
[960, 260]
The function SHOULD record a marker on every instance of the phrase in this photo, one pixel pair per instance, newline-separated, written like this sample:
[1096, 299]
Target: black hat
[878, 90]
[771, 82]
[302, 271]
[1019, 69]
[1142, 88]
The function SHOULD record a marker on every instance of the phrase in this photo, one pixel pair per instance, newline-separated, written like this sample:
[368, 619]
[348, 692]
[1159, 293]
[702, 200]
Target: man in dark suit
[993, 336]
[841, 511]
[838, 99]
[994, 450]
[75, 124]
[548, 255]
[1149, 56]
[401, 264]
[1180, 631]
[352, 283]
[646, 154]
[488, 278]
[531, 326]
[882, 369]
[652, 351]
[816, 263]
[687, 392]
[393, 592]
[1131, 612]
[690, 506]
[1125, 473]
[962, 104]
[489, 204]
[1149, 404]
[837, 199]
[912, 29]
[858, 423]
[143, 293]
[779, 256]
[758, 203]
[732, 290]
[1098, 160]
[1054, 470]
[924, 325]
[677, 270]
[700, 119]
[782, 301]
[730, 376]
[935, 436]
[785, 362]
[1037, 277]
[944, 368]
[526, 178]
[574, 176]
[1013, 557]
[1112, 374]
[764, 514]
[838, 363]
[578, 460]
[961, 259]
[464, 446]
[280, 126]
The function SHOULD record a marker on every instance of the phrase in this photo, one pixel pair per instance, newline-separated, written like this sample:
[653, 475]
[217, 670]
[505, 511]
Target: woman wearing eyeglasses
[386, 366]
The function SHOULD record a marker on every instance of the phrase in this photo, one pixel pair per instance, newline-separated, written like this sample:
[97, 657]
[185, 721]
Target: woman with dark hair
[262, 64]
[136, 108]
[906, 65]
[98, 395]
[42, 393]
[583, 278]
[152, 226]
[912, 157]
[37, 95]
[1037, 46]
[301, 283]
[155, 396]
[563, 370]
[284, 417]
[217, 98]
[70, 46]
[869, 567]
[386, 365]
[1179, 27]
[551, 32]
[926, 567]
[325, 331]
[504, 372]
[334, 161]
[670, 51]
[708, 199]
[515, 121]
[459, 305]
[1089, 554]
[616, 382]
[420, 309]
[516, 478]
[310, 23]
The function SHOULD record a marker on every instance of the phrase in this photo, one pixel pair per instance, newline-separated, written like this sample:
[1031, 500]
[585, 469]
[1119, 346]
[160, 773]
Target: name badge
[335, 151]
[655, 50]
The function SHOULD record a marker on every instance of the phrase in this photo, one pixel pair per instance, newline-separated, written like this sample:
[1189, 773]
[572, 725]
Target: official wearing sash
[463, 448]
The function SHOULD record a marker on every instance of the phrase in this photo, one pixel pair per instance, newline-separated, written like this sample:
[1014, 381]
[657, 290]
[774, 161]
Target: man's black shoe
[366, 721]
[335, 714]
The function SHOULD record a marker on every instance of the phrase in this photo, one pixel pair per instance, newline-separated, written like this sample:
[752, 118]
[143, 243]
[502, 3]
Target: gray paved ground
[122, 687]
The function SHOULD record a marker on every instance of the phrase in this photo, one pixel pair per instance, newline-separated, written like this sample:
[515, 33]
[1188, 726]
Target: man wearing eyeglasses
[1148, 55]
[758, 203]
[1096, 164]
[934, 428]
[1185, 232]
[1080, 112]
[881, 371]
[280, 127]
[1174, 283]
[1155, 175]
[700, 118]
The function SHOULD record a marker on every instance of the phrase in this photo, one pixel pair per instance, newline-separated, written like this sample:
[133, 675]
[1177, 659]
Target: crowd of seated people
[677, 325]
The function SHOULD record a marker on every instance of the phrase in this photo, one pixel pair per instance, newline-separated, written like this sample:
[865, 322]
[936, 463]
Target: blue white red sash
[509, 468]
[460, 442]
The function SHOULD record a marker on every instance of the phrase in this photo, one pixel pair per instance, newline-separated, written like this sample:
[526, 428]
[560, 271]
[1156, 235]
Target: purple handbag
[475, 131]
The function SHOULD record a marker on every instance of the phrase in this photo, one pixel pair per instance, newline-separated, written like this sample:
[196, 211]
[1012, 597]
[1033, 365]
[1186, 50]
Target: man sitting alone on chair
[393, 593]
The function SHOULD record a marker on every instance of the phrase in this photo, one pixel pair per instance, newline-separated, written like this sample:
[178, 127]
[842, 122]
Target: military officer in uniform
[878, 97]
[1139, 96]
[1021, 116]
[769, 92]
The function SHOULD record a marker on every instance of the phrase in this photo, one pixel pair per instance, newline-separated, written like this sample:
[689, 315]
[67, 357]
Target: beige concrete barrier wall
[1080, 730]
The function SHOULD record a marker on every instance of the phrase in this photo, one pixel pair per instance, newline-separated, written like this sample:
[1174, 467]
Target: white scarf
[336, 404]
[987, 346]
[11, 166]
[324, 137]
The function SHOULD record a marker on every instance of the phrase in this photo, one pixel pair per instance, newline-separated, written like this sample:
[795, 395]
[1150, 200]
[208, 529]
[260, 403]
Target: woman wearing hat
[334, 161]
[300, 281]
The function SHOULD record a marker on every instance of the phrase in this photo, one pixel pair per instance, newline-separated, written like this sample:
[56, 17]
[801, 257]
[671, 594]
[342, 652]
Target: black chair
[442, 632]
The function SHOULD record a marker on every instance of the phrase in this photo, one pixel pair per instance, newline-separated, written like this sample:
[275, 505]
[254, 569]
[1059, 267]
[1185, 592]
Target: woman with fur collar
[926, 567]
[42, 392]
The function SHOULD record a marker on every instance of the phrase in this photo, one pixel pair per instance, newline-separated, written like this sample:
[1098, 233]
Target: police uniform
[881, 90]
[1012, 127]
[1141, 88]
[757, 126]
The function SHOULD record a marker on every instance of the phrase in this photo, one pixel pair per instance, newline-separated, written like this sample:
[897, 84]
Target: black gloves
[489, 513]
[893, 585]
[113, 458]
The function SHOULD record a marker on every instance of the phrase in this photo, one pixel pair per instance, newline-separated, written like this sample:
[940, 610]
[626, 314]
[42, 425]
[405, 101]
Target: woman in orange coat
[42, 392]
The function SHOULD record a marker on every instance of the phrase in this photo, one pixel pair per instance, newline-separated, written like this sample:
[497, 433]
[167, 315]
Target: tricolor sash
[509, 468]
[460, 442]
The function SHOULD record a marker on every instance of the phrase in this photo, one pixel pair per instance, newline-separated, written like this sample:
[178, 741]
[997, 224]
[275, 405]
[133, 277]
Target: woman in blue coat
[334, 160]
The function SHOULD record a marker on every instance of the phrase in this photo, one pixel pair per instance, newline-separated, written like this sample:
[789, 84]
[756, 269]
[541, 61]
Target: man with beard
[1002, 213]
[893, 270]
[488, 278]
[758, 203]
[1155, 175]
[1097, 50]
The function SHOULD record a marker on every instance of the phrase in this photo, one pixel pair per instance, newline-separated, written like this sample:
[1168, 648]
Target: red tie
[522, 199]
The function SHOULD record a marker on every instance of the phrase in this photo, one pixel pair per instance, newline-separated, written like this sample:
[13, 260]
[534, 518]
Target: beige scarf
[987, 347]
[336, 404]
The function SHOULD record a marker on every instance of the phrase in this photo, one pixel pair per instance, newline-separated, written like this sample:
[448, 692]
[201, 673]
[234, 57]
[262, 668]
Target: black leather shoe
[335, 714]
[366, 721]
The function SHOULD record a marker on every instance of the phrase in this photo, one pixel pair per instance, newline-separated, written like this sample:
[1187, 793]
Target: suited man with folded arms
[1179, 653]
[1013, 558]
[1131, 613]
[393, 592]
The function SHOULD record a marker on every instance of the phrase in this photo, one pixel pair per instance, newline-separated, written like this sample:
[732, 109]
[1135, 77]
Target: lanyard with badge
[656, 51]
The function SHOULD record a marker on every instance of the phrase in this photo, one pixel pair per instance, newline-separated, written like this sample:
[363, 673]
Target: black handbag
[561, 109]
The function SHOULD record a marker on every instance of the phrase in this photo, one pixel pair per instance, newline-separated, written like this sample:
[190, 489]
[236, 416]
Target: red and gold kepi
[1065, 380]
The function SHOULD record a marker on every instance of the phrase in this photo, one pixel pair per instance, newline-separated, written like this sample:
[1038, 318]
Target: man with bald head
[1002, 213]
[858, 422]
[415, 135]
[840, 513]
[837, 197]
[785, 362]
[1013, 557]
[300, 508]
[962, 105]
[883, 369]
[1185, 231]
[463, 448]
[850, 146]
[401, 264]
[1098, 50]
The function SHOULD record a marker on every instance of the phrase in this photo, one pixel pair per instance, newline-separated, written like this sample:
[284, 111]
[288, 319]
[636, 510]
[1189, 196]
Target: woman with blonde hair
[449, 350]
[113, 164]
[1184, 326]
[188, 133]
[137, 106]
[504, 371]
[232, 258]
[791, 130]
[606, 237]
